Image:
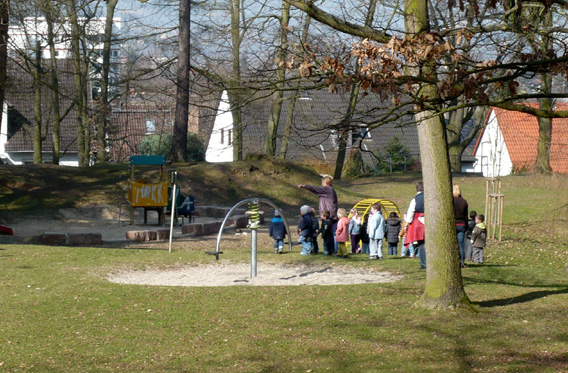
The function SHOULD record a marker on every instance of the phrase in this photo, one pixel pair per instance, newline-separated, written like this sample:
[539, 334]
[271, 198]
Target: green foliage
[162, 145]
[396, 156]
[354, 166]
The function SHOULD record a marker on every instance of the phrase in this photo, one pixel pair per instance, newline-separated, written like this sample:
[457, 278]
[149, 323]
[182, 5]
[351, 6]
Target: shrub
[162, 145]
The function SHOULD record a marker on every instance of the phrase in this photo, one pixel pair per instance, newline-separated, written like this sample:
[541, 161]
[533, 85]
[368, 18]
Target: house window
[168, 122]
[114, 53]
[56, 53]
[150, 127]
[230, 137]
[365, 133]
[222, 136]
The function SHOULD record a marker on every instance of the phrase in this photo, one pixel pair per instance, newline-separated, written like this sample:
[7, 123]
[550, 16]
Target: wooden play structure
[494, 202]
[153, 197]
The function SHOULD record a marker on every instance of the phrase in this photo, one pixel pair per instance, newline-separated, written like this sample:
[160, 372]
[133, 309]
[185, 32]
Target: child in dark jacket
[315, 233]
[277, 230]
[365, 235]
[469, 229]
[392, 230]
[478, 238]
[305, 230]
[327, 234]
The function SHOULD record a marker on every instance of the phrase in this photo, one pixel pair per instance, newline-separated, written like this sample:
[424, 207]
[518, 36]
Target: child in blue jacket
[277, 230]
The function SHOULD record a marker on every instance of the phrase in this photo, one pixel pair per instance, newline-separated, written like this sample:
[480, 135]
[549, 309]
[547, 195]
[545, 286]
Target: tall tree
[103, 102]
[4, 22]
[179, 144]
[278, 95]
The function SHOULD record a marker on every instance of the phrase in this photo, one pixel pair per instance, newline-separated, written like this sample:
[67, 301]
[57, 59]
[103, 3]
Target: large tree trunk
[179, 144]
[277, 97]
[444, 287]
[104, 108]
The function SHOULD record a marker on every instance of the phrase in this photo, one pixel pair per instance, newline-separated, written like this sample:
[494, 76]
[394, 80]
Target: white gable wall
[220, 147]
[492, 155]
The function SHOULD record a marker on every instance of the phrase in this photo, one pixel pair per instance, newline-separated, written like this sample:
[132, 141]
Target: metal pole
[172, 210]
[253, 254]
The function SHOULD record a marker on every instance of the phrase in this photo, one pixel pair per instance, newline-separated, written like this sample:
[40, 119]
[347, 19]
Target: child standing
[365, 235]
[376, 232]
[404, 250]
[342, 233]
[478, 238]
[305, 230]
[470, 226]
[355, 231]
[392, 230]
[327, 234]
[326, 194]
[277, 230]
[315, 227]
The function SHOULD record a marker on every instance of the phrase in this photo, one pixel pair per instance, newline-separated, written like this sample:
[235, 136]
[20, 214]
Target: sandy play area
[224, 274]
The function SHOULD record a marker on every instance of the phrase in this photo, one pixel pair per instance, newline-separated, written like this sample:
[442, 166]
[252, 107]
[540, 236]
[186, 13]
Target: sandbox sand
[225, 274]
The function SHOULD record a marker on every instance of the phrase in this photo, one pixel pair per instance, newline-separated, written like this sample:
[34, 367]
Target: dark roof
[20, 98]
[315, 115]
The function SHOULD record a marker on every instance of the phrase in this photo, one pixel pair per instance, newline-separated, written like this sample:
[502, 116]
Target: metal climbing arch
[365, 205]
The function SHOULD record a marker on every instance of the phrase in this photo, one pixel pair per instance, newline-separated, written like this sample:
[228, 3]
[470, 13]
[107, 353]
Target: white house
[219, 147]
[509, 142]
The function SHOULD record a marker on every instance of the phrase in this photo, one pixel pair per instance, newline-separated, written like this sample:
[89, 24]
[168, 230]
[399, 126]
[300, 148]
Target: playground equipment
[364, 206]
[6, 231]
[494, 202]
[148, 196]
[254, 222]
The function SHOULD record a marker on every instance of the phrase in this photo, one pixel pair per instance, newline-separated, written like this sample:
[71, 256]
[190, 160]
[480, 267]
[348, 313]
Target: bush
[162, 145]
[396, 155]
[354, 166]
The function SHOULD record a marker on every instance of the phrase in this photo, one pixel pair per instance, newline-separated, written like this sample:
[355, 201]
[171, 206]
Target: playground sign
[145, 195]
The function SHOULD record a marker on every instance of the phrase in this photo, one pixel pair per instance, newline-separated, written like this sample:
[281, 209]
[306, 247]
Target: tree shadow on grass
[528, 297]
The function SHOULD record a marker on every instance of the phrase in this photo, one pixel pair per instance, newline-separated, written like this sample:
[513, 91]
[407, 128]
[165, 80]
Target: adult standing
[327, 200]
[415, 219]
[461, 213]
[326, 194]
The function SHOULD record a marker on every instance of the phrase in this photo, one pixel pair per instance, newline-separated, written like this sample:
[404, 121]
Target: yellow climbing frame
[364, 206]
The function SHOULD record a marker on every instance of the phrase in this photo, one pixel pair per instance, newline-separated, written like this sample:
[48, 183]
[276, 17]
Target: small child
[392, 230]
[315, 227]
[376, 232]
[327, 234]
[355, 231]
[365, 235]
[470, 226]
[305, 230]
[277, 230]
[342, 233]
[478, 237]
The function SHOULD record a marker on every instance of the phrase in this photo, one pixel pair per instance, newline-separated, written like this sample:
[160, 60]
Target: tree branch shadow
[528, 297]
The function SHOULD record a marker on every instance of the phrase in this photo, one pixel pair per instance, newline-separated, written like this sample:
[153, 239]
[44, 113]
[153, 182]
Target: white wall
[492, 155]
[220, 147]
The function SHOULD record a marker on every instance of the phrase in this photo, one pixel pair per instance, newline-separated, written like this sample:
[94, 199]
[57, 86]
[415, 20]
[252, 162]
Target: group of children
[337, 228]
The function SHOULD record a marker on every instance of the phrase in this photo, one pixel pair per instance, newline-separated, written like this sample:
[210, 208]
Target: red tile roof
[521, 134]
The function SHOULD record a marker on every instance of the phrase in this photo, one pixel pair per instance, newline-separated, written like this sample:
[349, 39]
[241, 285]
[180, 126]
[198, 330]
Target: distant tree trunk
[179, 144]
[277, 97]
[4, 22]
[235, 89]
[104, 108]
[38, 156]
[56, 126]
[444, 286]
[83, 145]
[293, 100]
[542, 164]
[344, 125]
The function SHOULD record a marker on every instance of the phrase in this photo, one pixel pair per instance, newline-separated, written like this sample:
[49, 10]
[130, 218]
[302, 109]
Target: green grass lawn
[59, 313]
